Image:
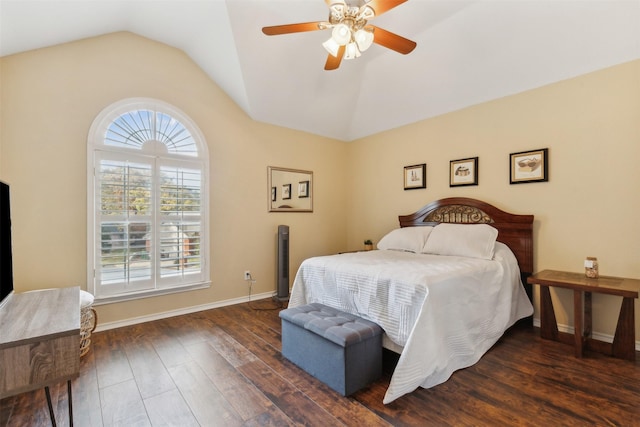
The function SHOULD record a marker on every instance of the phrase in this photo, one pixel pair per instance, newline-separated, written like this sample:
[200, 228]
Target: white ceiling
[468, 52]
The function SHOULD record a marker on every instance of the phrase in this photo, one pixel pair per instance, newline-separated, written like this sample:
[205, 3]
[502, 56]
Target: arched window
[147, 196]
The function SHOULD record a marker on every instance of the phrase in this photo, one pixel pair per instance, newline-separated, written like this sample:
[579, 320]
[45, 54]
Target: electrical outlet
[247, 275]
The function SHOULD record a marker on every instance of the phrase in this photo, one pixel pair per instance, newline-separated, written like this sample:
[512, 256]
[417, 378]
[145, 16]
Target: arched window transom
[133, 129]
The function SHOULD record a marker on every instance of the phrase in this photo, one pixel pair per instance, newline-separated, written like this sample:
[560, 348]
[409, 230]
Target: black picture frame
[303, 189]
[415, 176]
[286, 191]
[463, 172]
[529, 166]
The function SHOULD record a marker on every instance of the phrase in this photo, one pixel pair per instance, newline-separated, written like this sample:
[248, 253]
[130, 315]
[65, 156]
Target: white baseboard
[179, 312]
[595, 335]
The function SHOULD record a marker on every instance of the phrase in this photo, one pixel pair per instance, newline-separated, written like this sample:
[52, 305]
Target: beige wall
[50, 97]
[589, 207]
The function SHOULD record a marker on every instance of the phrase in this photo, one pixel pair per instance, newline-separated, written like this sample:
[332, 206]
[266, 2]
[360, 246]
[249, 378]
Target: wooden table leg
[624, 339]
[578, 316]
[548, 324]
[587, 316]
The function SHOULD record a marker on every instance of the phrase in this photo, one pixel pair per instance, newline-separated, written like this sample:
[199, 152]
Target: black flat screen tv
[6, 262]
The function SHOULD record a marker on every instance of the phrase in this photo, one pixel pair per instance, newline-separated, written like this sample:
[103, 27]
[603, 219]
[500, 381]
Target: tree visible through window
[149, 191]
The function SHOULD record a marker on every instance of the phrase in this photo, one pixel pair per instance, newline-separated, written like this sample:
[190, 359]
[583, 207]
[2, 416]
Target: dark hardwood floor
[223, 367]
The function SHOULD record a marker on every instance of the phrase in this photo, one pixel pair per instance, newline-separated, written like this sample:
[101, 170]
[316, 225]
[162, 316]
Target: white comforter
[445, 311]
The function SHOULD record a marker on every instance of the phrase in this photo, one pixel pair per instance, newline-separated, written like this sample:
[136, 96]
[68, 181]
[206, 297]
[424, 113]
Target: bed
[444, 286]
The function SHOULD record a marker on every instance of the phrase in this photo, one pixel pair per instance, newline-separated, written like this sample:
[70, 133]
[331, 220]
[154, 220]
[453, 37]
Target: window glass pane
[133, 128]
[130, 130]
[125, 252]
[180, 204]
[125, 188]
[179, 248]
[180, 191]
[174, 135]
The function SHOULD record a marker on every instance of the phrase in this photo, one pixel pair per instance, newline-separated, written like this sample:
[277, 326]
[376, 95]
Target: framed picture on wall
[529, 166]
[286, 191]
[415, 176]
[303, 189]
[463, 172]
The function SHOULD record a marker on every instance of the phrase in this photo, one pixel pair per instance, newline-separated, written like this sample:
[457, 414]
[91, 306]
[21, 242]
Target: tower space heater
[282, 285]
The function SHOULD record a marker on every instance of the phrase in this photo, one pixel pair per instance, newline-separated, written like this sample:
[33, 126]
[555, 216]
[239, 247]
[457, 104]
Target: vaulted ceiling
[468, 52]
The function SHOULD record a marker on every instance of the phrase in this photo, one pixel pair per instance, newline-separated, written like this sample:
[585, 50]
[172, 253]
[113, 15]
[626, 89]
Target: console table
[40, 342]
[623, 345]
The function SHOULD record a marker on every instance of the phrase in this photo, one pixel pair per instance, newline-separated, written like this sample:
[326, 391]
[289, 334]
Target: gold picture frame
[281, 186]
[463, 172]
[529, 166]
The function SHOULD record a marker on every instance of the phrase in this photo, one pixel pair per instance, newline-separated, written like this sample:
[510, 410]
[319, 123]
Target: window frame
[158, 156]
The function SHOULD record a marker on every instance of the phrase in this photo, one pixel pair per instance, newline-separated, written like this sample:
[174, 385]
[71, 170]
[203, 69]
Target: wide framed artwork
[529, 166]
[463, 172]
[415, 176]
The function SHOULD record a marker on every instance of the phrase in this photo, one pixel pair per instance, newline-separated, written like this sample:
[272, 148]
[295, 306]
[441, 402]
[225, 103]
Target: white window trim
[95, 144]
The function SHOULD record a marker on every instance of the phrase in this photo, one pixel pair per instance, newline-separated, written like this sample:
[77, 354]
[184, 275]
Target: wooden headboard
[515, 231]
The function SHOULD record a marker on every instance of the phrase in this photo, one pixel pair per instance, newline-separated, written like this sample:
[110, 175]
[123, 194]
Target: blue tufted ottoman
[342, 350]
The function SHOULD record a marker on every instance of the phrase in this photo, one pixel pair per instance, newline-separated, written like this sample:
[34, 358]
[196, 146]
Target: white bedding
[445, 311]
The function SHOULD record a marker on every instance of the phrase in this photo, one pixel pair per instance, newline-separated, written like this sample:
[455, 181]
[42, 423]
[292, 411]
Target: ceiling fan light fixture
[350, 33]
[331, 46]
[366, 13]
[351, 51]
[364, 39]
[341, 34]
[338, 7]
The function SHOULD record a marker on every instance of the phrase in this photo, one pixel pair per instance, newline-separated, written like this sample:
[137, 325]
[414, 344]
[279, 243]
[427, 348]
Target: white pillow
[468, 240]
[409, 239]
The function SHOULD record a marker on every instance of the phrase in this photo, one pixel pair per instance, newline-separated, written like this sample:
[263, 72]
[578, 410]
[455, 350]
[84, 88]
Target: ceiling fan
[351, 34]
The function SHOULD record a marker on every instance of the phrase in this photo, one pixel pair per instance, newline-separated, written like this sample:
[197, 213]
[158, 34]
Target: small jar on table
[591, 267]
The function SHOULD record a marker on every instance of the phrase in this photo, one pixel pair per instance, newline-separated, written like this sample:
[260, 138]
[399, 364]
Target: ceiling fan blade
[333, 62]
[392, 41]
[381, 6]
[293, 28]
